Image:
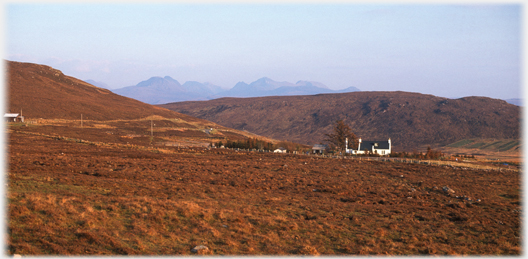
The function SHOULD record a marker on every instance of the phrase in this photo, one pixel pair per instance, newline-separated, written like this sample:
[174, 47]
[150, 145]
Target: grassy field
[75, 191]
[506, 150]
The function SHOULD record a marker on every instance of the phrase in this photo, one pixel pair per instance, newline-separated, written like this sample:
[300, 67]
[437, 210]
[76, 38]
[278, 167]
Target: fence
[453, 165]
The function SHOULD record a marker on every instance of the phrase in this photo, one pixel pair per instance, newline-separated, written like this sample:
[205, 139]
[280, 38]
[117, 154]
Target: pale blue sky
[444, 50]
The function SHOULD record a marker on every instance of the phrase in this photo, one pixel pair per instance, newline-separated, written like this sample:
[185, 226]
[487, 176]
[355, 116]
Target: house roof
[381, 144]
[10, 115]
[319, 147]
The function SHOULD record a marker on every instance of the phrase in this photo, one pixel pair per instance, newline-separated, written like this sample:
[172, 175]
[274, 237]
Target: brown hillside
[411, 120]
[44, 92]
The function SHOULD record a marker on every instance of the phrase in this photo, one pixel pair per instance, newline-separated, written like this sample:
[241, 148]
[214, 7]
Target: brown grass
[411, 120]
[67, 197]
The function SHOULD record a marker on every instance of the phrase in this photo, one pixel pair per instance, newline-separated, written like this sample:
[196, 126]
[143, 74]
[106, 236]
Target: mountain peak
[311, 84]
[264, 80]
[168, 78]
[157, 81]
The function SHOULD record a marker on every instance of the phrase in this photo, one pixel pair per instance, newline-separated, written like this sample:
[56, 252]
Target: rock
[200, 249]
[447, 190]
[308, 250]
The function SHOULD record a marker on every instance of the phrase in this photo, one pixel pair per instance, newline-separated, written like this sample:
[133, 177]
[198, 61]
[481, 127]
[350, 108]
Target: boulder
[201, 249]
[448, 190]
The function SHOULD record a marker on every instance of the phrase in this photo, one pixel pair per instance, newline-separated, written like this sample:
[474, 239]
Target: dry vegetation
[410, 120]
[487, 149]
[109, 187]
[85, 191]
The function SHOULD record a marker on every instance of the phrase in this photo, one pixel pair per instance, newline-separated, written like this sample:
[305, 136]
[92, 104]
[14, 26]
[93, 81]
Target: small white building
[13, 117]
[280, 150]
[371, 147]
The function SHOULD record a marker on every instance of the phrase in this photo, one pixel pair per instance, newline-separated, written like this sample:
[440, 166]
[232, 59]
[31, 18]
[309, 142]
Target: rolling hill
[44, 92]
[411, 120]
[41, 91]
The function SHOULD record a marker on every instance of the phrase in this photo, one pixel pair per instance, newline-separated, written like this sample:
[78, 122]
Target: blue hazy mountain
[160, 90]
[267, 87]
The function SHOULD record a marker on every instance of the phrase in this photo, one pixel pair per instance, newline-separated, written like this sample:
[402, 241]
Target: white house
[13, 117]
[371, 147]
[280, 150]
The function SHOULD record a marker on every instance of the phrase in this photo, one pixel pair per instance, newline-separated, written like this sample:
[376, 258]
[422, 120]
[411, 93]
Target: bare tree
[337, 139]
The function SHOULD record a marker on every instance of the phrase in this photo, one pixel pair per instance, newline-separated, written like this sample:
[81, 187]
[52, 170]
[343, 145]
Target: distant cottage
[13, 117]
[280, 150]
[372, 147]
[318, 149]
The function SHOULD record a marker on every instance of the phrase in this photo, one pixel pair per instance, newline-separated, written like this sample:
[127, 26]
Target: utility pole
[151, 128]
[81, 121]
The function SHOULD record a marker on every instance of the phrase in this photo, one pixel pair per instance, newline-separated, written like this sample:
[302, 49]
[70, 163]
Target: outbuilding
[13, 117]
[318, 149]
[280, 150]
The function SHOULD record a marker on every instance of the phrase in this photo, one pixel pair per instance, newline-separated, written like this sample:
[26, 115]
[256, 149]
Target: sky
[447, 50]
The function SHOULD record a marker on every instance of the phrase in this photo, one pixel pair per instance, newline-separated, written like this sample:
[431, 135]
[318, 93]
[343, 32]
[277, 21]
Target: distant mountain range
[267, 87]
[158, 90]
[411, 120]
[162, 90]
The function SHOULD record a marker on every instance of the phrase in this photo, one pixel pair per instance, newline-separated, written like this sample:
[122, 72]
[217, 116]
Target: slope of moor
[411, 120]
[44, 92]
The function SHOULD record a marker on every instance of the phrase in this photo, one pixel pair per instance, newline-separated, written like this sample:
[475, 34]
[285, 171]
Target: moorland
[136, 179]
[413, 121]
